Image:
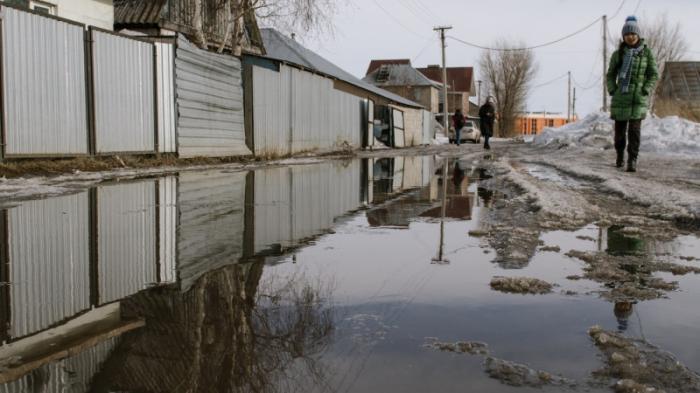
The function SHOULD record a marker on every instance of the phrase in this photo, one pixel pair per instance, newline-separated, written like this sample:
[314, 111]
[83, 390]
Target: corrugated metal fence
[44, 85]
[209, 102]
[61, 97]
[295, 111]
[124, 99]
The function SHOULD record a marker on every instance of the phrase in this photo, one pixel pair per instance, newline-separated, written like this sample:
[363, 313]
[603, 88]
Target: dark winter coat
[487, 116]
[632, 105]
[458, 121]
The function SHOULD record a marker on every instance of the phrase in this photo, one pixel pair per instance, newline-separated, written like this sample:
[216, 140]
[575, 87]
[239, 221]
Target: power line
[618, 10]
[398, 21]
[637, 8]
[589, 86]
[530, 47]
[430, 42]
[550, 82]
[417, 13]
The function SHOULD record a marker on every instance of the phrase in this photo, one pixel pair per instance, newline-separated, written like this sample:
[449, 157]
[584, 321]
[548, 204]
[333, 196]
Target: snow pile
[669, 135]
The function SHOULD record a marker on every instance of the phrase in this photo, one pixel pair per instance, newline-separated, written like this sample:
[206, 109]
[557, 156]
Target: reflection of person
[458, 123]
[622, 311]
[487, 115]
[619, 244]
[630, 80]
[457, 176]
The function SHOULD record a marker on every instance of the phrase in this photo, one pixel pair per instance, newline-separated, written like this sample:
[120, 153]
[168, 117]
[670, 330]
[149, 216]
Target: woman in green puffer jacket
[631, 79]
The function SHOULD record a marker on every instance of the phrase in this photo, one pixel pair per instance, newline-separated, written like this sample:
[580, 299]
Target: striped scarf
[625, 75]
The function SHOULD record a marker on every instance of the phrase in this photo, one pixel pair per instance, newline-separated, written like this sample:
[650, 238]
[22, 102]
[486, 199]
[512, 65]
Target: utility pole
[605, 63]
[568, 101]
[573, 106]
[445, 103]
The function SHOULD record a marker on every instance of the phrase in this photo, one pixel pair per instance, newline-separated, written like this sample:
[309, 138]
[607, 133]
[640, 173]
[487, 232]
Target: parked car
[470, 132]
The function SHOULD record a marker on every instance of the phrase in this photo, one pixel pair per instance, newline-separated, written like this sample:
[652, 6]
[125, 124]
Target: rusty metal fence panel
[124, 93]
[44, 85]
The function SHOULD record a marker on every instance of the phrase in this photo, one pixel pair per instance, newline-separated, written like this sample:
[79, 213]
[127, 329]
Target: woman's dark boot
[620, 160]
[631, 165]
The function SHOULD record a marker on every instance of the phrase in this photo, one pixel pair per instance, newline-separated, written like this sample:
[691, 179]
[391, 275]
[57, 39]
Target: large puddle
[334, 277]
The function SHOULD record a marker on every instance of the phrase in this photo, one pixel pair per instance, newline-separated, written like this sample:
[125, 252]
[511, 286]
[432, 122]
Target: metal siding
[210, 103]
[44, 79]
[123, 88]
[126, 241]
[271, 110]
[165, 75]
[49, 262]
[427, 127]
[413, 126]
[272, 208]
[211, 211]
[167, 205]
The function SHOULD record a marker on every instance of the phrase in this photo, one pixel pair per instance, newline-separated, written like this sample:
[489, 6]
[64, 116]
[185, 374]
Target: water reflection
[174, 252]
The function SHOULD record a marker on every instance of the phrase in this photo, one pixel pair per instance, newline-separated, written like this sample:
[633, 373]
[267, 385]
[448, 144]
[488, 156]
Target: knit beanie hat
[631, 26]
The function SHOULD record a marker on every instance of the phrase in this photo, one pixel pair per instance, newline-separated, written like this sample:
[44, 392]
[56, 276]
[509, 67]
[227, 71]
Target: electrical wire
[529, 47]
[398, 21]
[637, 8]
[550, 82]
[540, 45]
[618, 10]
[430, 42]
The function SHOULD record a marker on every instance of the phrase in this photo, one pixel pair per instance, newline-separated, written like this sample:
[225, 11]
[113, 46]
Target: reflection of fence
[66, 254]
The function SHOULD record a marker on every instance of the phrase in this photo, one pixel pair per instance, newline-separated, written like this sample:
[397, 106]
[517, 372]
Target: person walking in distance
[631, 78]
[487, 116]
[458, 123]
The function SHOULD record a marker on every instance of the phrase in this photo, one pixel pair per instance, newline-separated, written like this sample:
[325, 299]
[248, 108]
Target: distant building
[678, 92]
[460, 81]
[98, 13]
[532, 123]
[399, 77]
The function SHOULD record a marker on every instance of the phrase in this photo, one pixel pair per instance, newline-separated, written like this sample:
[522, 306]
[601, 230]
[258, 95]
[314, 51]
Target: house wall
[534, 125]
[98, 13]
[424, 95]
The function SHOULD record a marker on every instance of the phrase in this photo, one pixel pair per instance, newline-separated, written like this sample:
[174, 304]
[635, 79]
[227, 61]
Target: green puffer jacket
[632, 105]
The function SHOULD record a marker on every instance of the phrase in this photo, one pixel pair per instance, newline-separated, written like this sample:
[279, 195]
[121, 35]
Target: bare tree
[289, 16]
[508, 75]
[665, 39]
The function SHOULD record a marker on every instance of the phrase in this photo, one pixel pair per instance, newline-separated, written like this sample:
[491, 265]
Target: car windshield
[469, 124]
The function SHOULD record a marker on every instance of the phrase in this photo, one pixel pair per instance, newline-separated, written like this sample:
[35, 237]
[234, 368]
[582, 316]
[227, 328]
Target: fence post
[3, 122]
[156, 77]
[90, 92]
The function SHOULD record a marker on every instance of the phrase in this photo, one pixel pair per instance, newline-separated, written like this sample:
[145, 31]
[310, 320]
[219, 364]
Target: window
[534, 125]
[43, 7]
[551, 122]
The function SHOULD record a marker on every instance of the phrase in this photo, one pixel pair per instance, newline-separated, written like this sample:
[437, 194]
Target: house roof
[681, 80]
[398, 75]
[138, 12]
[282, 48]
[461, 78]
[375, 64]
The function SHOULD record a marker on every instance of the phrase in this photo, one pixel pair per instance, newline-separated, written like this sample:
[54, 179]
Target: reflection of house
[167, 17]
[398, 76]
[99, 13]
[532, 123]
[678, 92]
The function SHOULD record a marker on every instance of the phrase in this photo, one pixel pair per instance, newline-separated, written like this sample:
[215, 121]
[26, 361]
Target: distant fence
[68, 91]
[295, 110]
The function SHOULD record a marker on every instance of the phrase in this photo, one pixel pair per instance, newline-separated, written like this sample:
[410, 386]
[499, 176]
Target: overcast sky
[386, 29]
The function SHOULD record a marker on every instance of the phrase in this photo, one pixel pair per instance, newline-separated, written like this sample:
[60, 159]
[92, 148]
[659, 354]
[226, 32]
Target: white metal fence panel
[209, 102]
[165, 79]
[271, 111]
[427, 127]
[167, 226]
[212, 221]
[49, 262]
[311, 97]
[346, 120]
[126, 241]
[124, 87]
[413, 126]
[272, 208]
[44, 85]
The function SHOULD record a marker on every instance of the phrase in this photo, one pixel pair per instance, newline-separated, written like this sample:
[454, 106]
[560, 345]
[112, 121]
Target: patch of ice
[668, 135]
